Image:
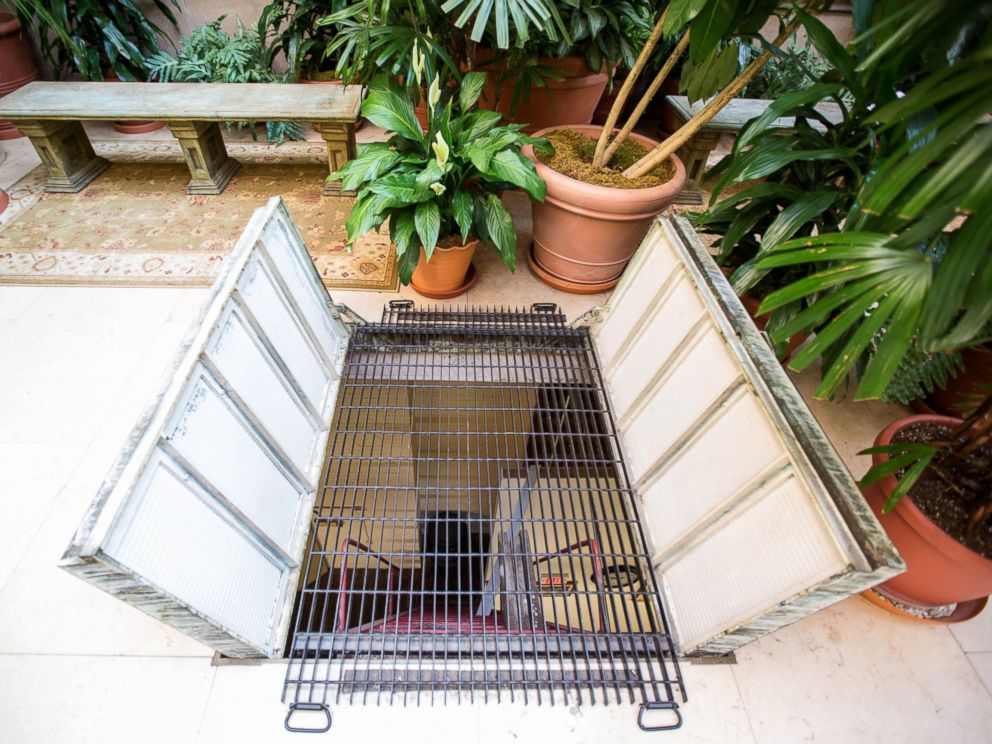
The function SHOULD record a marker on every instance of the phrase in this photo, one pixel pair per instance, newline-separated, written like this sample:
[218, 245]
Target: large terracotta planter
[569, 101]
[17, 66]
[941, 570]
[584, 234]
[446, 274]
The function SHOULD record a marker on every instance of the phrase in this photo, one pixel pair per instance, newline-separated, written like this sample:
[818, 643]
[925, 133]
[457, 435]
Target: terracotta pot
[327, 78]
[420, 110]
[941, 570]
[585, 234]
[569, 101]
[138, 126]
[605, 105]
[972, 382]
[447, 269]
[17, 66]
[4, 200]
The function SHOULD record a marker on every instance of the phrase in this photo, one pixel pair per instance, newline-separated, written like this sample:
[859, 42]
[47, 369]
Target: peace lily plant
[438, 189]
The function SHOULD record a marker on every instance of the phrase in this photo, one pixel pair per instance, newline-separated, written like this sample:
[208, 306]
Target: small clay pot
[569, 101]
[17, 65]
[446, 271]
[940, 570]
[4, 200]
[585, 234]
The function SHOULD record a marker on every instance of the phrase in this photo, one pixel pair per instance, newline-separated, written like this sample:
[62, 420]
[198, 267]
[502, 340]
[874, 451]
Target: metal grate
[474, 536]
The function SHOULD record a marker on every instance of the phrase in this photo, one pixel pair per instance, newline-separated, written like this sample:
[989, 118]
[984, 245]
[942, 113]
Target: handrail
[343, 603]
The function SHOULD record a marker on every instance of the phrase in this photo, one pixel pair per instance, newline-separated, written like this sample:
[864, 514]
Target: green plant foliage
[211, 55]
[405, 38]
[920, 373]
[895, 258]
[797, 68]
[440, 183]
[293, 28]
[95, 37]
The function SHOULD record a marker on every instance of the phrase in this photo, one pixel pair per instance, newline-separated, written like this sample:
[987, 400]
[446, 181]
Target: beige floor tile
[976, 634]
[16, 301]
[850, 426]
[31, 476]
[856, 673]
[983, 665]
[75, 351]
[245, 706]
[93, 700]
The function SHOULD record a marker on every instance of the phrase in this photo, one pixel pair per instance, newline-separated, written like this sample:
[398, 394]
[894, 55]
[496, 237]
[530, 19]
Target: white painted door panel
[203, 520]
[753, 520]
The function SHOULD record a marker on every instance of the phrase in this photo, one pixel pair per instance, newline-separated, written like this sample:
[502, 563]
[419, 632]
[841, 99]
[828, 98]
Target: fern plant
[211, 55]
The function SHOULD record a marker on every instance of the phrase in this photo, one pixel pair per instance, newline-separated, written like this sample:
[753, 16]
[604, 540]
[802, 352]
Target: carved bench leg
[694, 155]
[340, 139]
[66, 152]
[206, 156]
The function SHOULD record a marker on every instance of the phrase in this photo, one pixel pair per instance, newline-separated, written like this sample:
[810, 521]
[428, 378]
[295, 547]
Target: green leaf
[364, 216]
[681, 12]
[470, 89]
[511, 166]
[709, 27]
[461, 207]
[372, 161]
[389, 107]
[785, 104]
[499, 225]
[402, 230]
[427, 219]
[397, 190]
[797, 214]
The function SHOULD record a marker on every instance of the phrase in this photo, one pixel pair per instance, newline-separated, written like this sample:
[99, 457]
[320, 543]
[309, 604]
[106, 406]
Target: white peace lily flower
[418, 62]
[440, 150]
[434, 94]
[438, 188]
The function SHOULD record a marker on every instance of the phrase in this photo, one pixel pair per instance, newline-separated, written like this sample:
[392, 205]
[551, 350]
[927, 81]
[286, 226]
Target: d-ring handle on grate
[544, 307]
[293, 707]
[401, 304]
[673, 707]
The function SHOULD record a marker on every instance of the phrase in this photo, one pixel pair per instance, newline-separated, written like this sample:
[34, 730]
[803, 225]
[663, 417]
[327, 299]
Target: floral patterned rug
[135, 224]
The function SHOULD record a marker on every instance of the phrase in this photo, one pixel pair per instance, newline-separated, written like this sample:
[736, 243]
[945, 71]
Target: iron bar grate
[474, 536]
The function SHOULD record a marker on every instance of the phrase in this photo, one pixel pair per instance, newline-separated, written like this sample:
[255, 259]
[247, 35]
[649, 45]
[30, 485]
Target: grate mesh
[474, 536]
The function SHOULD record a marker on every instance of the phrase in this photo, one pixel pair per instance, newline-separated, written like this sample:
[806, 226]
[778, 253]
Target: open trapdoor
[435, 507]
[474, 533]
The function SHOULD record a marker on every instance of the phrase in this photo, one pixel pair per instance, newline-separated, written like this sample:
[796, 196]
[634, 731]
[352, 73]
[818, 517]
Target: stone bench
[730, 120]
[50, 114]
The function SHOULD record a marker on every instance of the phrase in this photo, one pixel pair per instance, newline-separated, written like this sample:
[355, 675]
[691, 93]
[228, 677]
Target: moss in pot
[439, 189]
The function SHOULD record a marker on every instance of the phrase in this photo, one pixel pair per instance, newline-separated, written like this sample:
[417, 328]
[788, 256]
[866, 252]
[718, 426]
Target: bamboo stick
[642, 105]
[626, 88]
[711, 109]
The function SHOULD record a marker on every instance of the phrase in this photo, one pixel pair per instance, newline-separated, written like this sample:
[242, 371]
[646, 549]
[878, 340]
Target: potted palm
[438, 189]
[556, 78]
[606, 185]
[901, 284]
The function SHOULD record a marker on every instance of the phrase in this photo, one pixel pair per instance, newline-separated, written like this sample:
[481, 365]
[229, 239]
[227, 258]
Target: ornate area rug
[135, 224]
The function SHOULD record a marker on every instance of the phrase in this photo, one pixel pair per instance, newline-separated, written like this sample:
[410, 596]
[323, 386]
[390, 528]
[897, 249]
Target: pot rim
[910, 512]
[472, 242]
[595, 192]
[9, 23]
